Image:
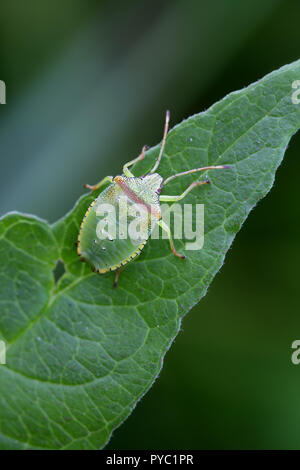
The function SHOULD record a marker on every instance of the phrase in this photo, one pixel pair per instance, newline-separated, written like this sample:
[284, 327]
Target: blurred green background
[88, 83]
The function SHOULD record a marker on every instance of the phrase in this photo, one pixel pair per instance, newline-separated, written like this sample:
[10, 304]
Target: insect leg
[165, 227]
[195, 170]
[117, 277]
[163, 143]
[132, 162]
[98, 185]
[165, 198]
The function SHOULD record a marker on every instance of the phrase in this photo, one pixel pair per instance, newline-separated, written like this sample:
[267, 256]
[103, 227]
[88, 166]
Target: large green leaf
[81, 354]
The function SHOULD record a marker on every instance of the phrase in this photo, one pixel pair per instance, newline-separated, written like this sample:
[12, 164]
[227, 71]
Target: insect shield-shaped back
[118, 223]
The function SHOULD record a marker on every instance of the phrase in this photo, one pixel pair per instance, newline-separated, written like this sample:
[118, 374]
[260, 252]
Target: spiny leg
[98, 185]
[165, 227]
[117, 277]
[195, 170]
[165, 198]
[132, 162]
[163, 143]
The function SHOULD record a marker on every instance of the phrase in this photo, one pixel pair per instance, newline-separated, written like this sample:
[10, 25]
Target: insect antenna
[163, 142]
[195, 170]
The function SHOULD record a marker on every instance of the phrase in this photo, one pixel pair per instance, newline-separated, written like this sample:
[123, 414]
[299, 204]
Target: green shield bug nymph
[111, 249]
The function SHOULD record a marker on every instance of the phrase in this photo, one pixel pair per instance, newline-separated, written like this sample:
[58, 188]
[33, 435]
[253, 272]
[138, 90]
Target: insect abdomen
[110, 253]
